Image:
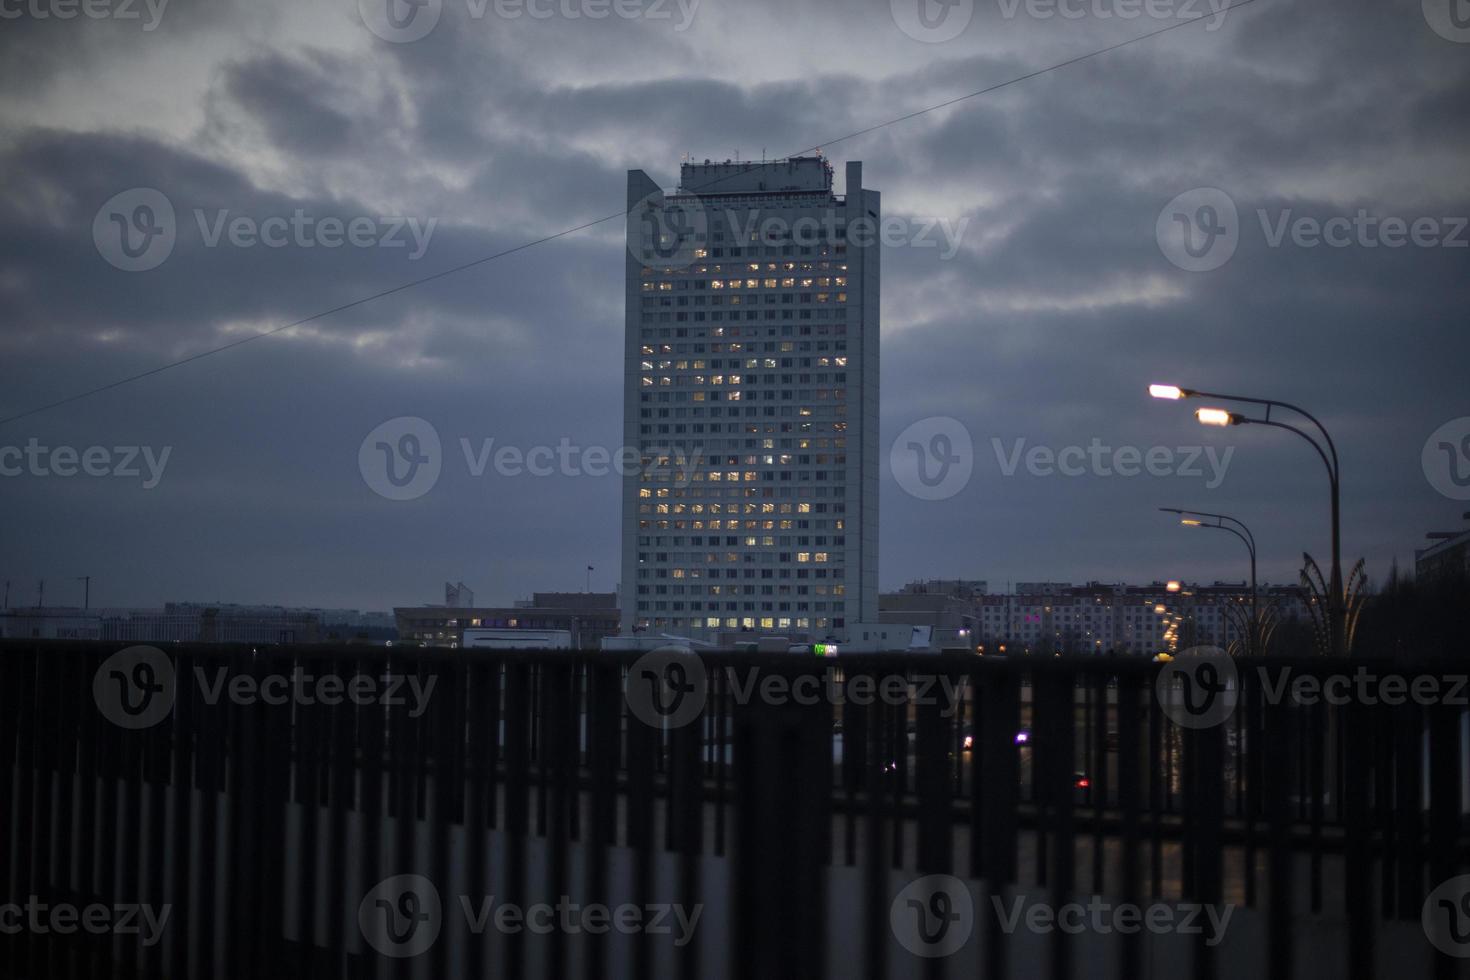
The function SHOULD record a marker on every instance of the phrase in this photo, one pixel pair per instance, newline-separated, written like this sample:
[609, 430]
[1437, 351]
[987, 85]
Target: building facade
[1058, 617]
[751, 398]
[176, 622]
[1449, 555]
[588, 616]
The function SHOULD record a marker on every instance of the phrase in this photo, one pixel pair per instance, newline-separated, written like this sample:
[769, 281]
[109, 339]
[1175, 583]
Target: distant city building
[458, 594]
[962, 587]
[751, 395]
[1042, 588]
[50, 623]
[353, 618]
[1449, 553]
[1058, 617]
[176, 622]
[588, 616]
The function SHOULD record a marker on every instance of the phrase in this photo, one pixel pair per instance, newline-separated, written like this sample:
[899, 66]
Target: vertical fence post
[1280, 935]
[935, 849]
[1130, 798]
[1358, 855]
[1447, 769]
[605, 701]
[783, 759]
[999, 696]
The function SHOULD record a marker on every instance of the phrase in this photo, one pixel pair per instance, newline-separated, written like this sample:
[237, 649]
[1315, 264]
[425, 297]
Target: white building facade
[751, 398]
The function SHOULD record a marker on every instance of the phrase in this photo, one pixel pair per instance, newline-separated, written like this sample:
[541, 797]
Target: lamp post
[1197, 518]
[1222, 417]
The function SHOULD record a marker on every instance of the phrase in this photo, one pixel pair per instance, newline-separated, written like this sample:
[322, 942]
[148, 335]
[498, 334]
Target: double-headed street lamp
[1196, 518]
[1325, 449]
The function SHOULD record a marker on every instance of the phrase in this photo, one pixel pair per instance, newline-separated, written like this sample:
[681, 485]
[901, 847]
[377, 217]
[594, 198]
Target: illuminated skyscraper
[751, 395]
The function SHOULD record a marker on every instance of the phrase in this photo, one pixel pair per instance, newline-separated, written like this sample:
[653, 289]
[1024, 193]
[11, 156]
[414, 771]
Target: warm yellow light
[1213, 416]
[1166, 391]
[1172, 587]
[1159, 609]
[1189, 522]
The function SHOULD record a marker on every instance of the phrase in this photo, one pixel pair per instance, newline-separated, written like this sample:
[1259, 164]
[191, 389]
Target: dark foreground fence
[195, 811]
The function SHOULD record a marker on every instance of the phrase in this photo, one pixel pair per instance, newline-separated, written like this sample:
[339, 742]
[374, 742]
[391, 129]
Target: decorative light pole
[1197, 518]
[1335, 599]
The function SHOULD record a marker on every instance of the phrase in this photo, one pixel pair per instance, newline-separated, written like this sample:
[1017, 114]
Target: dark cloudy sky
[1046, 325]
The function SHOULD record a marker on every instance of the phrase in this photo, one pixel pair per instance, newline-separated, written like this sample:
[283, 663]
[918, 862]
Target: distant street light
[1336, 606]
[1217, 416]
[1196, 518]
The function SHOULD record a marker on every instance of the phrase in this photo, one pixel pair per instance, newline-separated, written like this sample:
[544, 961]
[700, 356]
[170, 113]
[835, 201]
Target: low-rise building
[588, 616]
[1450, 553]
[176, 622]
[1058, 617]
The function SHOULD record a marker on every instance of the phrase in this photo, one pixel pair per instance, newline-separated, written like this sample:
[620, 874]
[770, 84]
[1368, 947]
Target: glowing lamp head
[1189, 522]
[1172, 587]
[1216, 416]
[1172, 392]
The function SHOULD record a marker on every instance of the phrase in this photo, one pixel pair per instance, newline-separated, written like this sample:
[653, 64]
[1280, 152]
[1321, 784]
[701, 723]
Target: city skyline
[523, 379]
[1036, 323]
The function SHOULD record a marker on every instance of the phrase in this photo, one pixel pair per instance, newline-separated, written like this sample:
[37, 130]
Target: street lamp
[1197, 518]
[1217, 416]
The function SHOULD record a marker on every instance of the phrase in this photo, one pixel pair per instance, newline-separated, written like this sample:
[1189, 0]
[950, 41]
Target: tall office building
[751, 395]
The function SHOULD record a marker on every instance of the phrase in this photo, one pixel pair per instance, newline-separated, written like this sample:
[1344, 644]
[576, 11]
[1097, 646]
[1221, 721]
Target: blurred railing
[262, 813]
